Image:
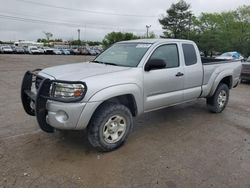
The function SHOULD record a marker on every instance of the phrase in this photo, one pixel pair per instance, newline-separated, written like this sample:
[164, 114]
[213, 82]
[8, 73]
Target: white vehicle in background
[231, 56]
[6, 50]
[33, 50]
[57, 52]
[65, 52]
[41, 50]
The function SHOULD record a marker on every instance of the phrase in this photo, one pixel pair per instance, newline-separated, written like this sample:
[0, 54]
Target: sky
[29, 19]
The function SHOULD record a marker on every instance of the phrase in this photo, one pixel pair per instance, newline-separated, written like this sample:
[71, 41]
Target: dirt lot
[183, 146]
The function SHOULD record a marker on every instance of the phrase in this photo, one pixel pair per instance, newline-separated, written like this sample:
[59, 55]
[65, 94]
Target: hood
[80, 71]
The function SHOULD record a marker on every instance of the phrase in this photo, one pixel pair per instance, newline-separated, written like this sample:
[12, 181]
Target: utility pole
[147, 27]
[79, 38]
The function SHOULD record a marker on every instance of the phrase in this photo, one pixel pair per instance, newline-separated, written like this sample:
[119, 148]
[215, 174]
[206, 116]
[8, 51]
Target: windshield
[124, 54]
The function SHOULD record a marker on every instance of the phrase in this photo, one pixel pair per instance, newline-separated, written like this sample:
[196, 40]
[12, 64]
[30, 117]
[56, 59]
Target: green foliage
[84, 43]
[151, 35]
[213, 32]
[177, 21]
[76, 43]
[114, 37]
[93, 43]
[42, 40]
[220, 32]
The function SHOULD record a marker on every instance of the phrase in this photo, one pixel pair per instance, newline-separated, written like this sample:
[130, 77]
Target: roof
[153, 41]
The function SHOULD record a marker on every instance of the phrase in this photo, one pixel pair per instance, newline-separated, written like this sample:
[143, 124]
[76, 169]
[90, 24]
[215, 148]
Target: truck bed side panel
[214, 73]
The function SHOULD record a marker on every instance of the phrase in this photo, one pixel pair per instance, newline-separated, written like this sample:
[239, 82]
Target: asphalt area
[182, 146]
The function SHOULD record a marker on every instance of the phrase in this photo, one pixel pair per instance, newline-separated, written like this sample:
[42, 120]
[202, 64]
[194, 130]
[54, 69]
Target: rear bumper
[50, 113]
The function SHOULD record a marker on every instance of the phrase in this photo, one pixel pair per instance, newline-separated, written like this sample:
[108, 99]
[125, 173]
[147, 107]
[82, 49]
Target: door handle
[179, 74]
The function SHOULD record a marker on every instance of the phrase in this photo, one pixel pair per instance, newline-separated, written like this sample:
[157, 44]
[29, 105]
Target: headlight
[67, 91]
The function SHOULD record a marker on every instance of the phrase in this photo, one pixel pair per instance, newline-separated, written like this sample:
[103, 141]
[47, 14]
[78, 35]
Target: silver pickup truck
[126, 80]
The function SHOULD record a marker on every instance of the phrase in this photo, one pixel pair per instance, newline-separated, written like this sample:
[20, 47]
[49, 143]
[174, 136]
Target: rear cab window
[190, 55]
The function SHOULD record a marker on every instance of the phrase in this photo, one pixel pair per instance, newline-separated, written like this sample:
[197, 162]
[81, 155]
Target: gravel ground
[182, 146]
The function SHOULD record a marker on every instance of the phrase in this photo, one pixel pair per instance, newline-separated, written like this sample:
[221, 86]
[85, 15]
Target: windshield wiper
[110, 64]
[94, 61]
[101, 62]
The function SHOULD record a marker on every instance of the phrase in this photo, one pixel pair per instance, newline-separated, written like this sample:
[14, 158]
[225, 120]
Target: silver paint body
[151, 90]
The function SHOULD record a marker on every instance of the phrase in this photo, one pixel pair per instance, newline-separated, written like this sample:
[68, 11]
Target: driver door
[164, 87]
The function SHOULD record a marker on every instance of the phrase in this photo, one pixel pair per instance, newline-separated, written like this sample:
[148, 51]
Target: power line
[87, 11]
[40, 21]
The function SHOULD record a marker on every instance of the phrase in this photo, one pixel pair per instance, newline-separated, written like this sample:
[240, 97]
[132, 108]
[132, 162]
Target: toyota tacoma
[126, 80]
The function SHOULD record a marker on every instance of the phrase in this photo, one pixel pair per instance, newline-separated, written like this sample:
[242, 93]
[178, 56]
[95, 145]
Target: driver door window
[169, 54]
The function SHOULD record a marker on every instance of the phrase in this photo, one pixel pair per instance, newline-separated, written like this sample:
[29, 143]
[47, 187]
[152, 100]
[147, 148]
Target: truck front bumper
[51, 113]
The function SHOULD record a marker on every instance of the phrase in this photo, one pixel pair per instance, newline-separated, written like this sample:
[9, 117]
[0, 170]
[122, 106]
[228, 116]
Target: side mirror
[153, 64]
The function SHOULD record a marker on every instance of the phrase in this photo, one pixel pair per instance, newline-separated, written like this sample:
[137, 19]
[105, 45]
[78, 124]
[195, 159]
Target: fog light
[61, 116]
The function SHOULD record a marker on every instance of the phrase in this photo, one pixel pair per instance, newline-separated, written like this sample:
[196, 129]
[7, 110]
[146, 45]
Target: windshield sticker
[143, 45]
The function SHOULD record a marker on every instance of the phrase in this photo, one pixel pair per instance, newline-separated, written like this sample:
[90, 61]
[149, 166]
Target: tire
[218, 102]
[110, 126]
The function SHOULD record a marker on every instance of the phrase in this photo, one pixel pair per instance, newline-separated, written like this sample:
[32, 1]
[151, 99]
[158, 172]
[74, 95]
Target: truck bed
[207, 60]
[213, 67]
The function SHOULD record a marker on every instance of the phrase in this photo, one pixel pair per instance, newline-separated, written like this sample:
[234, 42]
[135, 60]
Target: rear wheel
[218, 102]
[110, 126]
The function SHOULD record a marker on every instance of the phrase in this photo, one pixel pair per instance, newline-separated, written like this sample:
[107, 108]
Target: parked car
[231, 56]
[84, 51]
[18, 50]
[41, 50]
[65, 52]
[48, 51]
[128, 79]
[71, 51]
[26, 51]
[6, 50]
[97, 51]
[245, 72]
[76, 51]
[57, 52]
[33, 50]
[91, 51]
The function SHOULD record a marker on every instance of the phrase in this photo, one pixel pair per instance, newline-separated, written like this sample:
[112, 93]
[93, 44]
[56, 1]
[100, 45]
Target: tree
[243, 18]
[114, 37]
[220, 32]
[151, 35]
[48, 35]
[177, 22]
[58, 40]
[42, 40]
[207, 29]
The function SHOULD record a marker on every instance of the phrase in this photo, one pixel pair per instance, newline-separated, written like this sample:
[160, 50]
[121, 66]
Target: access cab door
[164, 86]
[193, 71]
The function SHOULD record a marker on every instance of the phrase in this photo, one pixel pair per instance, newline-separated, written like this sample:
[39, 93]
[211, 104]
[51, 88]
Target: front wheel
[218, 102]
[110, 126]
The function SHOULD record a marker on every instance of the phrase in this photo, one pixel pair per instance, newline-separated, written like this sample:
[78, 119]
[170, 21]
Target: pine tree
[177, 21]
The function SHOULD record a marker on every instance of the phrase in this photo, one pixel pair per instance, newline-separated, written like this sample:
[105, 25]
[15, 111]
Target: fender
[221, 76]
[118, 90]
[107, 93]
